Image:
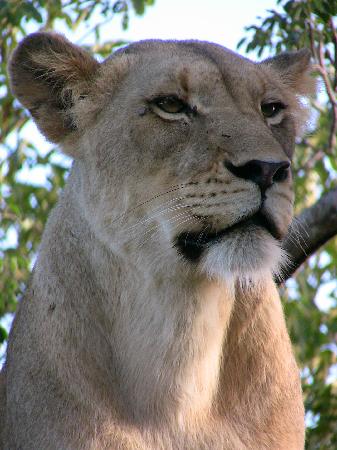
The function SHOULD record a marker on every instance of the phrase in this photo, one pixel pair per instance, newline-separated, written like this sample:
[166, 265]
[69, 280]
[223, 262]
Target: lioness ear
[295, 70]
[47, 74]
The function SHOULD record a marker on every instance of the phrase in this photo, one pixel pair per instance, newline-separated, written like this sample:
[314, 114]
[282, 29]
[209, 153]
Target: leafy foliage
[310, 300]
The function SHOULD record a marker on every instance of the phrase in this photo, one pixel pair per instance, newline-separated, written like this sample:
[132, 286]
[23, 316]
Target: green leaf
[31, 12]
[3, 334]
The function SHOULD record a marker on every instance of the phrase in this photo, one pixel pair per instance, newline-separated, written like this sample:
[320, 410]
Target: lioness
[151, 320]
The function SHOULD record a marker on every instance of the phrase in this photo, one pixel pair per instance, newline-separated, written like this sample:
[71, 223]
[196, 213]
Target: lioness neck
[171, 357]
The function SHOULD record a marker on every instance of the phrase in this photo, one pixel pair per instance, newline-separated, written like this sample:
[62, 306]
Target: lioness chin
[151, 320]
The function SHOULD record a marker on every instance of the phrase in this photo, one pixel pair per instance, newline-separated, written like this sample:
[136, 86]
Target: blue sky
[220, 21]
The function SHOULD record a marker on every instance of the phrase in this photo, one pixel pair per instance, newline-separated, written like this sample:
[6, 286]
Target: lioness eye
[271, 109]
[171, 105]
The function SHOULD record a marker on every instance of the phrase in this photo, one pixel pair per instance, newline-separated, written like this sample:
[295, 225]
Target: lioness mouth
[192, 244]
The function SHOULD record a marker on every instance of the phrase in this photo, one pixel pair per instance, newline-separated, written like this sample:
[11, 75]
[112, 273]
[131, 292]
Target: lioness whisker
[157, 226]
[295, 240]
[157, 212]
[174, 188]
[203, 231]
[297, 237]
[300, 225]
[137, 232]
[173, 220]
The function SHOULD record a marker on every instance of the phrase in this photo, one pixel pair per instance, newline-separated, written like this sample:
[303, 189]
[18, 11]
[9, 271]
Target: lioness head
[182, 149]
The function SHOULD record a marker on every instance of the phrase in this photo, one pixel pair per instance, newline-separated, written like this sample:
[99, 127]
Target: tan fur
[120, 341]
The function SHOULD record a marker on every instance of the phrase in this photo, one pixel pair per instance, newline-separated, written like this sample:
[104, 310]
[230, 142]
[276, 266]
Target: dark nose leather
[263, 173]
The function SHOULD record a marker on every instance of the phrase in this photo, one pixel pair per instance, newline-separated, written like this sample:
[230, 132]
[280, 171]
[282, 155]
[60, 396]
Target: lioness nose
[263, 173]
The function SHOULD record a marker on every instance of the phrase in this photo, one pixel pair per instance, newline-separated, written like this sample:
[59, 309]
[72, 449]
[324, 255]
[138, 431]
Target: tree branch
[334, 40]
[310, 230]
[332, 97]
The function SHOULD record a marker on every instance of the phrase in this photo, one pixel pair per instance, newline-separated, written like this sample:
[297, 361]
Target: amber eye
[272, 109]
[170, 104]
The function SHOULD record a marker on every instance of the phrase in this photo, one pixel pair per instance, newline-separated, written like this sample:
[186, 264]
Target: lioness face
[205, 162]
[188, 152]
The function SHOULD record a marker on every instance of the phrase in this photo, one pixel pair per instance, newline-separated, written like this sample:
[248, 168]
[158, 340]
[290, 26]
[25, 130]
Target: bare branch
[332, 97]
[333, 130]
[334, 40]
[312, 38]
[318, 107]
[311, 229]
[317, 156]
[325, 76]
